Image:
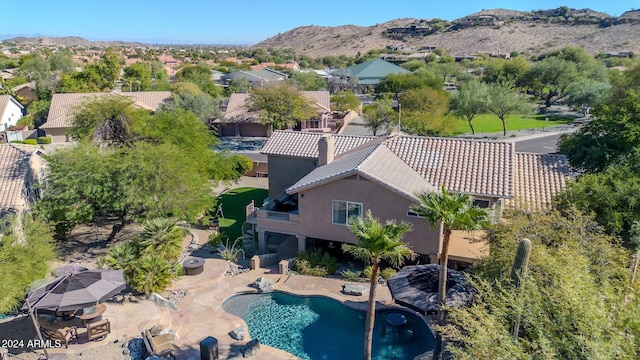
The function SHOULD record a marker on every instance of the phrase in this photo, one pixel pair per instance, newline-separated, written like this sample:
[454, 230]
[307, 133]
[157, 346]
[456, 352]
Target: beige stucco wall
[58, 135]
[285, 171]
[315, 209]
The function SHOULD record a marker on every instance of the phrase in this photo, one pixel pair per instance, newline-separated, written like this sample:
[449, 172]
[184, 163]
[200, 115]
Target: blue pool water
[319, 328]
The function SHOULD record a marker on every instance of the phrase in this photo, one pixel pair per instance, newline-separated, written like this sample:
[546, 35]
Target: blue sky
[239, 21]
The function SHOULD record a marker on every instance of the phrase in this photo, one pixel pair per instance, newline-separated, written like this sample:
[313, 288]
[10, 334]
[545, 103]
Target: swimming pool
[319, 328]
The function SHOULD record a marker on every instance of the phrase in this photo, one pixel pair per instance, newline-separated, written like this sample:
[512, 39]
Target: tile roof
[374, 162]
[477, 167]
[538, 178]
[62, 105]
[377, 68]
[305, 144]
[471, 166]
[237, 112]
[14, 166]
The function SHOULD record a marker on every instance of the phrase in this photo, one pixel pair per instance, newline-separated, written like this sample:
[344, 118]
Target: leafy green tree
[469, 101]
[423, 112]
[106, 119]
[62, 62]
[137, 76]
[307, 81]
[38, 69]
[587, 93]
[550, 78]
[377, 242]
[200, 75]
[345, 101]
[448, 211]
[238, 85]
[503, 100]
[378, 115]
[162, 168]
[501, 70]
[280, 105]
[578, 297]
[607, 139]
[39, 110]
[26, 250]
[109, 67]
[396, 84]
[613, 195]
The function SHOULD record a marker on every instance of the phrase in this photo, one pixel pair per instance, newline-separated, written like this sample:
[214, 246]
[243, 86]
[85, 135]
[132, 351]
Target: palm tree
[451, 211]
[162, 237]
[376, 242]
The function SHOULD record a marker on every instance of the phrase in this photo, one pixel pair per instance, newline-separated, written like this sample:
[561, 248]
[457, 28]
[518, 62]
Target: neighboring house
[26, 91]
[317, 181]
[291, 66]
[257, 78]
[370, 73]
[60, 117]
[240, 122]
[10, 111]
[21, 169]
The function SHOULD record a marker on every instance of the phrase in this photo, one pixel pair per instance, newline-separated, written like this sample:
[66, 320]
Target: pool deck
[200, 313]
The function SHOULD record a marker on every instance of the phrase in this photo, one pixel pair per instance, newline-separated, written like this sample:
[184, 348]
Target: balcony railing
[276, 215]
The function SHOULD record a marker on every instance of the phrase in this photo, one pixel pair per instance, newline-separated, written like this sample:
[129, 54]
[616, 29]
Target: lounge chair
[98, 329]
[159, 345]
[62, 334]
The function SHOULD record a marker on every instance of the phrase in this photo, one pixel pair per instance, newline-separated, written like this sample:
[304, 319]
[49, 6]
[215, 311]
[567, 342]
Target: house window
[484, 204]
[314, 124]
[343, 210]
[413, 214]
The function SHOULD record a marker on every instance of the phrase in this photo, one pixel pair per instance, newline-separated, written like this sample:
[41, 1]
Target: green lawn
[233, 203]
[490, 123]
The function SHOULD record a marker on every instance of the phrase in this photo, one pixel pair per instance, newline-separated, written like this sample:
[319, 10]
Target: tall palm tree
[377, 241]
[450, 211]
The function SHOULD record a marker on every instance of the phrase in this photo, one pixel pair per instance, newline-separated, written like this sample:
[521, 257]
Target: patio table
[92, 313]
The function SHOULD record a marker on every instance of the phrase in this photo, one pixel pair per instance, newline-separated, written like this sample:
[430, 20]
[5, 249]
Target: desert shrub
[367, 272]
[153, 274]
[215, 238]
[316, 258]
[305, 268]
[230, 253]
[387, 273]
[44, 140]
[351, 275]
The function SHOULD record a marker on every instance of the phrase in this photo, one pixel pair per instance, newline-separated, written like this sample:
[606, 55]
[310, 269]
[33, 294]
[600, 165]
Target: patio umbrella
[76, 291]
[416, 287]
[73, 291]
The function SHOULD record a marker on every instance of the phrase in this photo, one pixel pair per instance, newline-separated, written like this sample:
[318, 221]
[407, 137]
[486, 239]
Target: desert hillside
[493, 31]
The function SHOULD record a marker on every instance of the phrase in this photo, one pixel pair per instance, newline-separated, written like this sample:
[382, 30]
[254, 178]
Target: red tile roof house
[237, 121]
[316, 181]
[60, 117]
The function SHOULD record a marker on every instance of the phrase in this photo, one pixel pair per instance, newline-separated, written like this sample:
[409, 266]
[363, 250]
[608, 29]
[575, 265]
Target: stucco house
[21, 168]
[317, 181]
[60, 117]
[238, 121]
[10, 111]
[257, 78]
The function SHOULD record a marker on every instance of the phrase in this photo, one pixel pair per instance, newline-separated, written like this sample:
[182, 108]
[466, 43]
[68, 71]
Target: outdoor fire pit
[193, 266]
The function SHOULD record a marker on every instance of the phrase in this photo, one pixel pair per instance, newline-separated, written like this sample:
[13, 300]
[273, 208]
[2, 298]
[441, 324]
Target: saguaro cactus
[518, 272]
[521, 261]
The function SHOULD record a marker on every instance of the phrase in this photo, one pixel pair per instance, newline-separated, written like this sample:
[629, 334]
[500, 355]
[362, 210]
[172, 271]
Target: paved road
[540, 145]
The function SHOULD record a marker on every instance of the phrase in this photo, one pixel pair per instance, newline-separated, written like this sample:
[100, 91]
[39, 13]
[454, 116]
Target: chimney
[326, 146]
